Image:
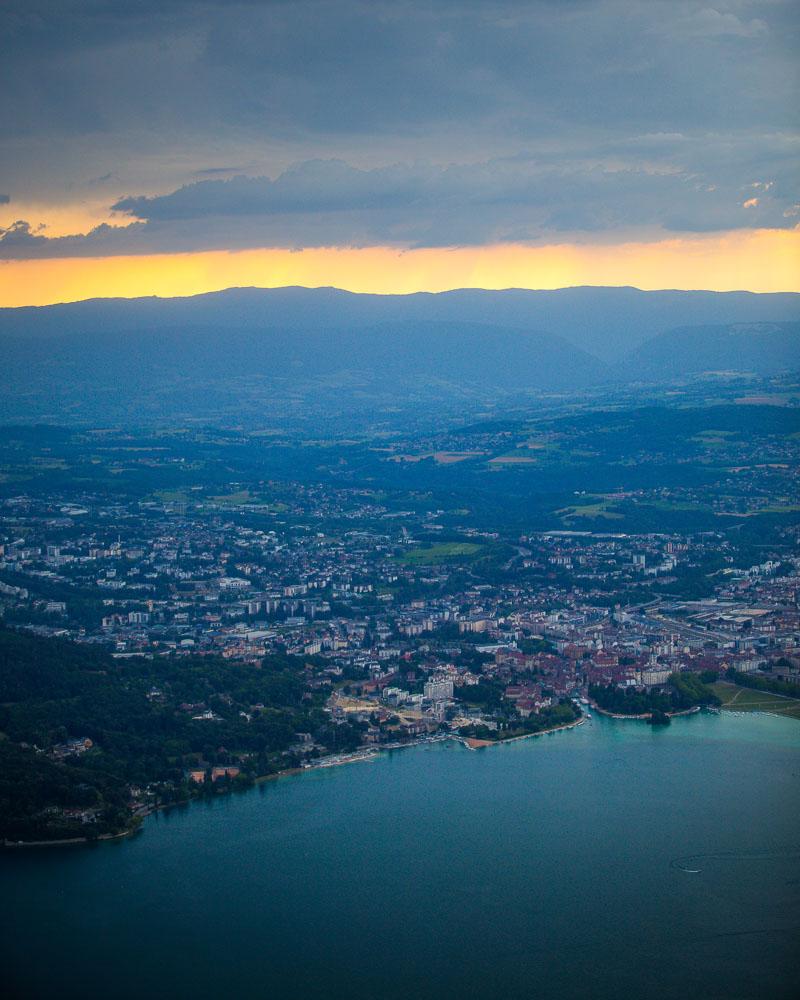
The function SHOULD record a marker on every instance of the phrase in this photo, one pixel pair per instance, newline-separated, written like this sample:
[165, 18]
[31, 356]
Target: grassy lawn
[444, 552]
[740, 699]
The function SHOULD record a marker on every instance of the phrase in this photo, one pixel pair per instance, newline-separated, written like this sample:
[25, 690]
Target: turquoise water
[613, 860]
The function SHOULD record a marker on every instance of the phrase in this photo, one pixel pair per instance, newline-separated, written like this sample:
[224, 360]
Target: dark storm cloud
[411, 123]
[328, 202]
[334, 66]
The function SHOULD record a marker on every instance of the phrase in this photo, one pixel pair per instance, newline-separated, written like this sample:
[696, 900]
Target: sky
[176, 146]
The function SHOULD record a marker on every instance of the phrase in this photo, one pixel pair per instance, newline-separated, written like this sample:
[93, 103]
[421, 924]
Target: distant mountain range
[606, 322]
[183, 357]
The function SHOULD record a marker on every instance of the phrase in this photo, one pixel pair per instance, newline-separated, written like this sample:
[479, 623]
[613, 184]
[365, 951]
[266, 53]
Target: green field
[236, 499]
[740, 699]
[601, 508]
[171, 496]
[442, 553]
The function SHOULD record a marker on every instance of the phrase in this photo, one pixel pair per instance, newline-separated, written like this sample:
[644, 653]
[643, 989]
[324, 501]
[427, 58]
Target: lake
[612, 860]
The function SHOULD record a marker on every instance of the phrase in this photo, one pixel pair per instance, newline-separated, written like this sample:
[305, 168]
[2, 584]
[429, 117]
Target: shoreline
[79, 841]
[363, 754]
[143, 813]
[645, 716]
[472, 743]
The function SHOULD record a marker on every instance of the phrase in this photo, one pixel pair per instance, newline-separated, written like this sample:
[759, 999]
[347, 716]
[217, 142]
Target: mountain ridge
[607, 321]
[335, 355]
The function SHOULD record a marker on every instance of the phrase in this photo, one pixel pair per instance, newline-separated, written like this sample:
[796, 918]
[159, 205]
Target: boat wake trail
[692, 864]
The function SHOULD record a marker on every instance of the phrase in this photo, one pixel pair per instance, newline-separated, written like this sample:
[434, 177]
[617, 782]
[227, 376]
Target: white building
[439, 689]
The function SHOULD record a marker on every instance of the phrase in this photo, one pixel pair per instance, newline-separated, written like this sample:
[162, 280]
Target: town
[405, 633]
[186, 611]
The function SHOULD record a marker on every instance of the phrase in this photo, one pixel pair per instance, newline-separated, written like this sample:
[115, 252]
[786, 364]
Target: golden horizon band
[749, 260]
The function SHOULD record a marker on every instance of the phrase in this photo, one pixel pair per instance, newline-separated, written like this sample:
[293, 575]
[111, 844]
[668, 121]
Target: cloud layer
[406, 123]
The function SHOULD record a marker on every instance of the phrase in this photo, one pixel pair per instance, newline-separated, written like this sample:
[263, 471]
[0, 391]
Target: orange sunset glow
[760, 261]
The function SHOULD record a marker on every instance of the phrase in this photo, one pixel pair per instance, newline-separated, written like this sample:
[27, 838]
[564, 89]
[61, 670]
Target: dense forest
[140, 723]
[682, 692]
[560, 714]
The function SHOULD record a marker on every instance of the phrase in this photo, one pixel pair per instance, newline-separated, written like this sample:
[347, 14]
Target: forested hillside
[87, 741]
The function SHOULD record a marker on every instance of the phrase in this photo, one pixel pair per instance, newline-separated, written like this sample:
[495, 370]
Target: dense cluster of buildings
[389, 614]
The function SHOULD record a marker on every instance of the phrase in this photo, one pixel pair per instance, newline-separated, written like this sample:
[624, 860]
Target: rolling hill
[319, 355]
[761, 348]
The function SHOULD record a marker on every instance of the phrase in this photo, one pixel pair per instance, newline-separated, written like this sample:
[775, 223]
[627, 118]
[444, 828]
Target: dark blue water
[613, 860]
